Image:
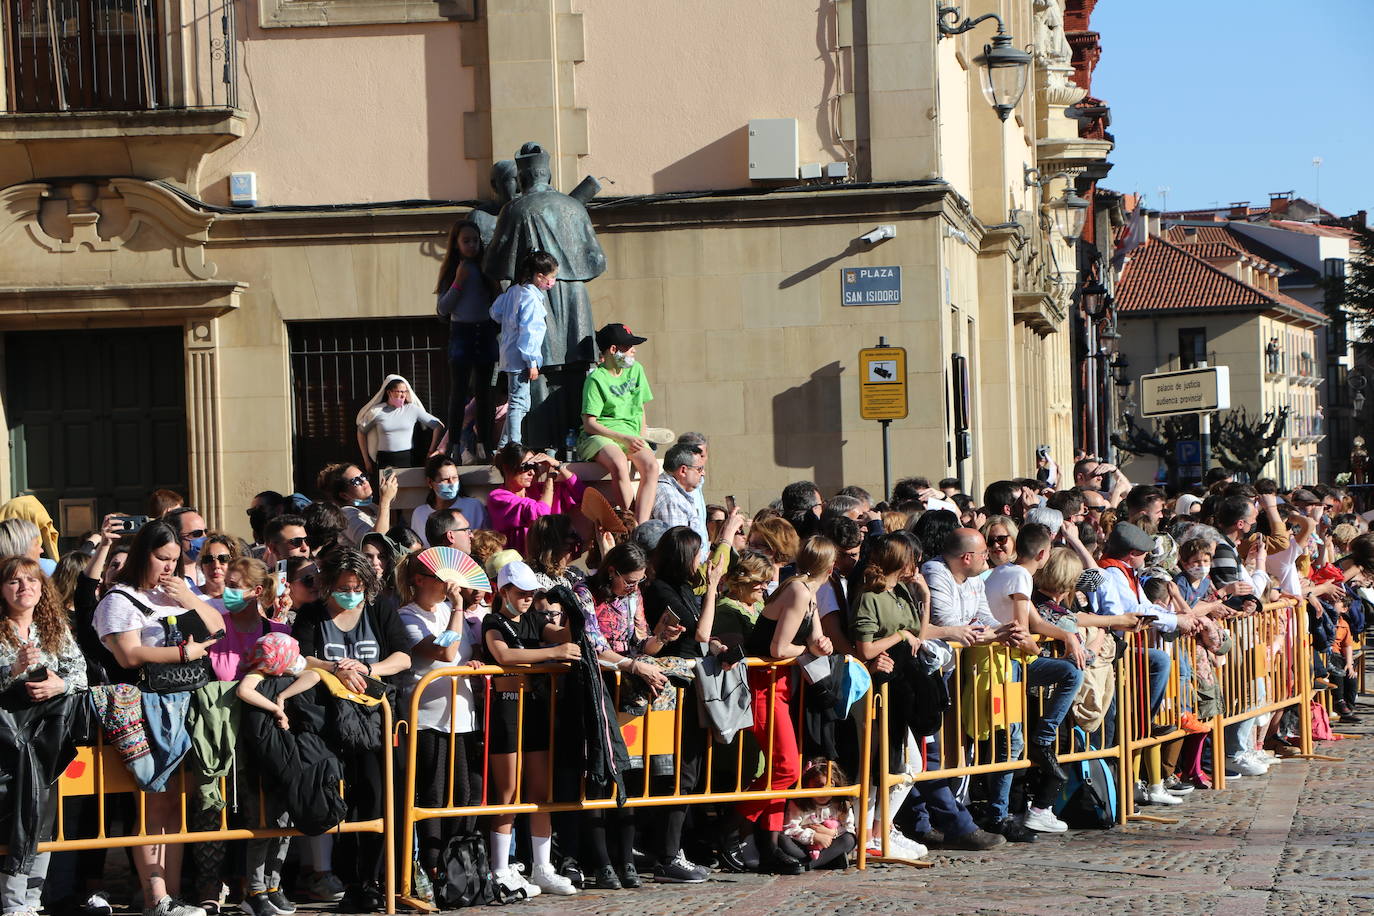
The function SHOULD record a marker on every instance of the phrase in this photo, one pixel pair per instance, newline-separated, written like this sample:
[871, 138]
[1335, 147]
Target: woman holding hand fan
[438, 584]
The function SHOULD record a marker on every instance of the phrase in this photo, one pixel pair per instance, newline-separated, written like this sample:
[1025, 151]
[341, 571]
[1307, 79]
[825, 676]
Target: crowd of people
[162, 626]
[258, 669]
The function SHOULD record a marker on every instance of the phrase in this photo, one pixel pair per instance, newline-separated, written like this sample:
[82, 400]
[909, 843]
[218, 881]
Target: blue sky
[1228, 100]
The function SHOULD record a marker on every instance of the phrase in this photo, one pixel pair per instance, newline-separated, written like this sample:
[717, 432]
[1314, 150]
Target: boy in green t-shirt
[613, 399]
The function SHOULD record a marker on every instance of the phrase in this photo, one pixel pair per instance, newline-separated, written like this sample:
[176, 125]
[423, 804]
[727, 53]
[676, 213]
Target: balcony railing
[119, 55]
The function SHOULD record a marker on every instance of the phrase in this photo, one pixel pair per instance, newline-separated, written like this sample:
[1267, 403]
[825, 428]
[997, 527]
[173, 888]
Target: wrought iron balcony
[119, 55]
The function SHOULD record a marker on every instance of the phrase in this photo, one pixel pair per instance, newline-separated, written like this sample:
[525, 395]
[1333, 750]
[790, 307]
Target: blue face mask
[193, 551]
[233, 599]
[348, 600]
[446, 490]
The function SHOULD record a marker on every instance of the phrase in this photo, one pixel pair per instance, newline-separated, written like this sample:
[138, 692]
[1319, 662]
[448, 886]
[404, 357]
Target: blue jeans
[517, 405]
[1064, 678]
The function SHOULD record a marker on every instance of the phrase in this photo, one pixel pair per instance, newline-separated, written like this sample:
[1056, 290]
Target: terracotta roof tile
[1162, 276]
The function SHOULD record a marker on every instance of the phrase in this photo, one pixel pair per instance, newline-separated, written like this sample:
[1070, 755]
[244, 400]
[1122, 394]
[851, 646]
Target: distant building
[1198, 293]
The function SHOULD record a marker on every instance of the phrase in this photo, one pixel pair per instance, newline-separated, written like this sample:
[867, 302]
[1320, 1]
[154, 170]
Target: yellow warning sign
[882, 383]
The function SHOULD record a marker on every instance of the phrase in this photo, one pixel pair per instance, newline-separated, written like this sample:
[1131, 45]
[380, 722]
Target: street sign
[871, 285]
[882, 383]
[1163, 394]
[1189, 455]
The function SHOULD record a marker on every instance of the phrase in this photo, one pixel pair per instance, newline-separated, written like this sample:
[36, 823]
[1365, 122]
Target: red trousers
[773, 721]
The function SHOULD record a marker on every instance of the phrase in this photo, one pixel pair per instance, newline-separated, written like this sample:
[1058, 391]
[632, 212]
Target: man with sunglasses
[1092, 473]
[449, 528]
[190, 525]
[285, 537]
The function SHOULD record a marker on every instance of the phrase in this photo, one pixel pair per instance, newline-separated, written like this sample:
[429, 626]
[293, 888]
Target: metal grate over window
[336, 366]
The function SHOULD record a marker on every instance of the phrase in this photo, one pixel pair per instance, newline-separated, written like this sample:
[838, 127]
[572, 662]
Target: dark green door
[96, 414]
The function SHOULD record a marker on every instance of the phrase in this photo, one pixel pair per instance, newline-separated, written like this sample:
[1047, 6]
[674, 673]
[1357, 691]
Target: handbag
[176, 677]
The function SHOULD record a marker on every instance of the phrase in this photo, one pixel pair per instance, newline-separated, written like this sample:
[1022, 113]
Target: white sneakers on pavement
[551, 882]
[1042, 820]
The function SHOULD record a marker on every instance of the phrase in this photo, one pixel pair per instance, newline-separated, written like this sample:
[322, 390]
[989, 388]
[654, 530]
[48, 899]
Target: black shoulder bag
[176, 677]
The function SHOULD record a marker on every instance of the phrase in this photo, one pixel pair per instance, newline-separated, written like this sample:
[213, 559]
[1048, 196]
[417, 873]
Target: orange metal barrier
[100, 772]
[657, 733]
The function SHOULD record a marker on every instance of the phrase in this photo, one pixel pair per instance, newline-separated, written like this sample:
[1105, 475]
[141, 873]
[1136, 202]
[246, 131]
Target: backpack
[1088, 800]
[464, 877]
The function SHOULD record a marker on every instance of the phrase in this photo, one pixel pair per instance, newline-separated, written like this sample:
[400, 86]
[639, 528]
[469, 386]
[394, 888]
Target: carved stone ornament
[89, 221]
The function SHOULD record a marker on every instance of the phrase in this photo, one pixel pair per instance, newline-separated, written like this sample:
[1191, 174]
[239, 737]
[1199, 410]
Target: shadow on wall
[807, 422]
[723, 163]
[806, 273]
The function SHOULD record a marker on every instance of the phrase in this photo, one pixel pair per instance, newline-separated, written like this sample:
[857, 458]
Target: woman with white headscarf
[386, 426]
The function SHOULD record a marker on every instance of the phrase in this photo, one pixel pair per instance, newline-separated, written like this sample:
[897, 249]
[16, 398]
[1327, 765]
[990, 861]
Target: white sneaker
[1158, 795]
[551, 882]
[1043, 821]
[512, 884]
[1245, 766]
[1257, 759]
[903, 847]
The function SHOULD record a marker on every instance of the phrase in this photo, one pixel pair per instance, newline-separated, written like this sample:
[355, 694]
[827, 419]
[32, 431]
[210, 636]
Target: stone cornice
[905, 201]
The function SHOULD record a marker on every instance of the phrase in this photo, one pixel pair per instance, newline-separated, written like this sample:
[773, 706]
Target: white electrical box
[811, 170]
[243, 189]
[837, 170]
[772, 149]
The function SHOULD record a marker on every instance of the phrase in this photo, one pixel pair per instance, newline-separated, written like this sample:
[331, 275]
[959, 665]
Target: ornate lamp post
[1003, 67]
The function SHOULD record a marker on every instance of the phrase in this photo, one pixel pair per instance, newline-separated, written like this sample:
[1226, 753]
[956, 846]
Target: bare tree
[1244, 445]
[1159, 441]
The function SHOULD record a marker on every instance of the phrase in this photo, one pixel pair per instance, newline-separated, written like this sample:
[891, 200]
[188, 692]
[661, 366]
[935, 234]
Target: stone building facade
[157, 334]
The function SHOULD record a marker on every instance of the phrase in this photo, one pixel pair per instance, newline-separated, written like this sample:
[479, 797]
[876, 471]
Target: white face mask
[624, 360]
[1197, 572]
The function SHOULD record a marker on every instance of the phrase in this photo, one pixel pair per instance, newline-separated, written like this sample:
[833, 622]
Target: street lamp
[1091, 297]
[1004, 67]
[1069, 212]
[1119, 377]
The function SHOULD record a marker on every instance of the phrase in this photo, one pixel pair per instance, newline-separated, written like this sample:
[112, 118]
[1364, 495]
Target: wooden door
[96, 414]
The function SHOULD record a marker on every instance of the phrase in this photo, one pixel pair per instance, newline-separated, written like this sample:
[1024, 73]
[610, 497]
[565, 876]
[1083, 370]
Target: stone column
[203, 433]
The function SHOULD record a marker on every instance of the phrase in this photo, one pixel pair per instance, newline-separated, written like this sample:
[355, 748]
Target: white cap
[519, 574]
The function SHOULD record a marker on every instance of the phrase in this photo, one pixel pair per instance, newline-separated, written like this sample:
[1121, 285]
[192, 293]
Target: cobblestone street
[1294, 841]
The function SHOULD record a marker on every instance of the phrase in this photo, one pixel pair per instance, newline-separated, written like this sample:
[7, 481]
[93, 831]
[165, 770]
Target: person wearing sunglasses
[190, 524]
[284, 537]
[1000, 532]
[219, 552]
[346, 486]
[302, 583]
[533, 485]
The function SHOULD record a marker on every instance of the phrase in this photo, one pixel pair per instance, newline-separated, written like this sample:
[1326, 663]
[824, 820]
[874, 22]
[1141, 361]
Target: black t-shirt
[525, 633]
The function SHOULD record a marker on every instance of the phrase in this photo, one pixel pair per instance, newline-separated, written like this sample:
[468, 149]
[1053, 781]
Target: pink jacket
[513, 515]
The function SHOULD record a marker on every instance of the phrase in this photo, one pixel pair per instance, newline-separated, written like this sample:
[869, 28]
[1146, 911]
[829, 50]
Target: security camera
[877, 235]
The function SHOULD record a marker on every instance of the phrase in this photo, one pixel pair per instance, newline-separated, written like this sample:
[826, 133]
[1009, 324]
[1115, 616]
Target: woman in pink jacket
[533, 485]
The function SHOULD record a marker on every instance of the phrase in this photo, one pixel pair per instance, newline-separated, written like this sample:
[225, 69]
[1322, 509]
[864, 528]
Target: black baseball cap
[617, 335]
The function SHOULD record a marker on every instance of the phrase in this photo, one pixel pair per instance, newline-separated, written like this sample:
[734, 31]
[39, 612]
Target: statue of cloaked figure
[544, 219]
[504, 186]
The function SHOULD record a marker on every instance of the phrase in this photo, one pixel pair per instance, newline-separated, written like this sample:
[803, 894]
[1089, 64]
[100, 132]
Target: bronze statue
[503, 185]
[542, 218]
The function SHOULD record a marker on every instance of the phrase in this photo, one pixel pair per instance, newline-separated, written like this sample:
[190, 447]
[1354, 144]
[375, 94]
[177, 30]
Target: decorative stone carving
[79, 220]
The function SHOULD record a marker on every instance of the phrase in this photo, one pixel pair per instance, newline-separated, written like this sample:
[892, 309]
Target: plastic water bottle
[570, 446]
[174, 637]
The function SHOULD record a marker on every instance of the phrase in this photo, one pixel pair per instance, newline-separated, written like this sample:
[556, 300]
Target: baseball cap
[617, 335]
[519, 574]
